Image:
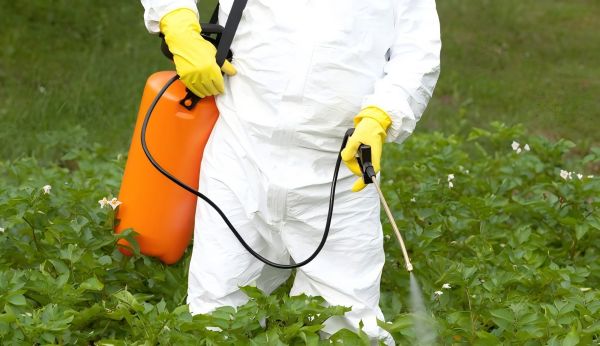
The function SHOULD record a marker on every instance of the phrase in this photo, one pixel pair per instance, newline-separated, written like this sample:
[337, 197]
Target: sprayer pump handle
[365, 162]
[363, 156]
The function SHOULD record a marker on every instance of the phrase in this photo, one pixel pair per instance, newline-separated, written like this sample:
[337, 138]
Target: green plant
[515, 243]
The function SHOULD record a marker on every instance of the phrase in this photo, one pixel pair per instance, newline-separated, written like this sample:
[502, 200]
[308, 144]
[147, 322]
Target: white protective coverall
[305, 69]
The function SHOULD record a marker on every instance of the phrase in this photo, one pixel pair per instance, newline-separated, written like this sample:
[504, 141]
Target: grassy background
[73, 72]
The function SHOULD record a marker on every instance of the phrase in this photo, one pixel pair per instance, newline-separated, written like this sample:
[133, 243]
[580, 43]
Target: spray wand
[369, 176]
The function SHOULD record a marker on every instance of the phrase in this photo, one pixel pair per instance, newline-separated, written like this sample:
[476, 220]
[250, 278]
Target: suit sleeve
[412, 70]
[154, 10]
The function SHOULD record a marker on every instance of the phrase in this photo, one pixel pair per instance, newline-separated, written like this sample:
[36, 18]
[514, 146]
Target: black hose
[216, 207]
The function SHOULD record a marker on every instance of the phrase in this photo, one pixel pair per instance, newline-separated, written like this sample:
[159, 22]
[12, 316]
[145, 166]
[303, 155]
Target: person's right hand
[194, 57]
[370, 124]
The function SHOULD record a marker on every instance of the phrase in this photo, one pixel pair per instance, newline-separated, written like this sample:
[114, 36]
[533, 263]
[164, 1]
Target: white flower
[515, 145]
[114, 203]
[2, 229]
[413, 200]
[466, 171]
[47, 189]
[570, 175]
[564, 174]
[590, 176]
[526, 147]
[580, 176]
[518, 150]
[446, 286]
[450, 179]
[438, 293]
[103, 202]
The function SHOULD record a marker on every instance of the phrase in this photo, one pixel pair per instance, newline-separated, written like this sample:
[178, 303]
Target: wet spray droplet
[424, 324]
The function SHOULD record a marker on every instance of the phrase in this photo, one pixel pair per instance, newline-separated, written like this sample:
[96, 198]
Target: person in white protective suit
[305, 71]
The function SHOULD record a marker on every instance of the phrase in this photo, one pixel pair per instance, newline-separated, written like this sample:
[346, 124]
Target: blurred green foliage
[66, 63]
[520, 61]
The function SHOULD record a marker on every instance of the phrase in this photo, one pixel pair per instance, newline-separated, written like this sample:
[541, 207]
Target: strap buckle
[190, 100]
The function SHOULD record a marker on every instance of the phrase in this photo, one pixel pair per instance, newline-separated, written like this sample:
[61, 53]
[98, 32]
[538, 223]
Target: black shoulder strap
[224, 37]
[235, 15]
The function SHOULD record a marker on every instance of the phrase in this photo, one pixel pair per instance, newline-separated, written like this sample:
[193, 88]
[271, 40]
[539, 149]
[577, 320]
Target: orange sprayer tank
[155, 207]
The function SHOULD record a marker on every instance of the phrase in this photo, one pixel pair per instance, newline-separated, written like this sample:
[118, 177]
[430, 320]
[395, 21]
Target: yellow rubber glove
[370, 126]
[194, 56]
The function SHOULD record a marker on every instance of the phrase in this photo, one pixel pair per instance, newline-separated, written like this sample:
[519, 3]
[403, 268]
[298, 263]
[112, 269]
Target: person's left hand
[370, 126]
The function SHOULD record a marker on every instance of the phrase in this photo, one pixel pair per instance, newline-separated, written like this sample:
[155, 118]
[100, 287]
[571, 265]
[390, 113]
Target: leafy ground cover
[502, 228]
